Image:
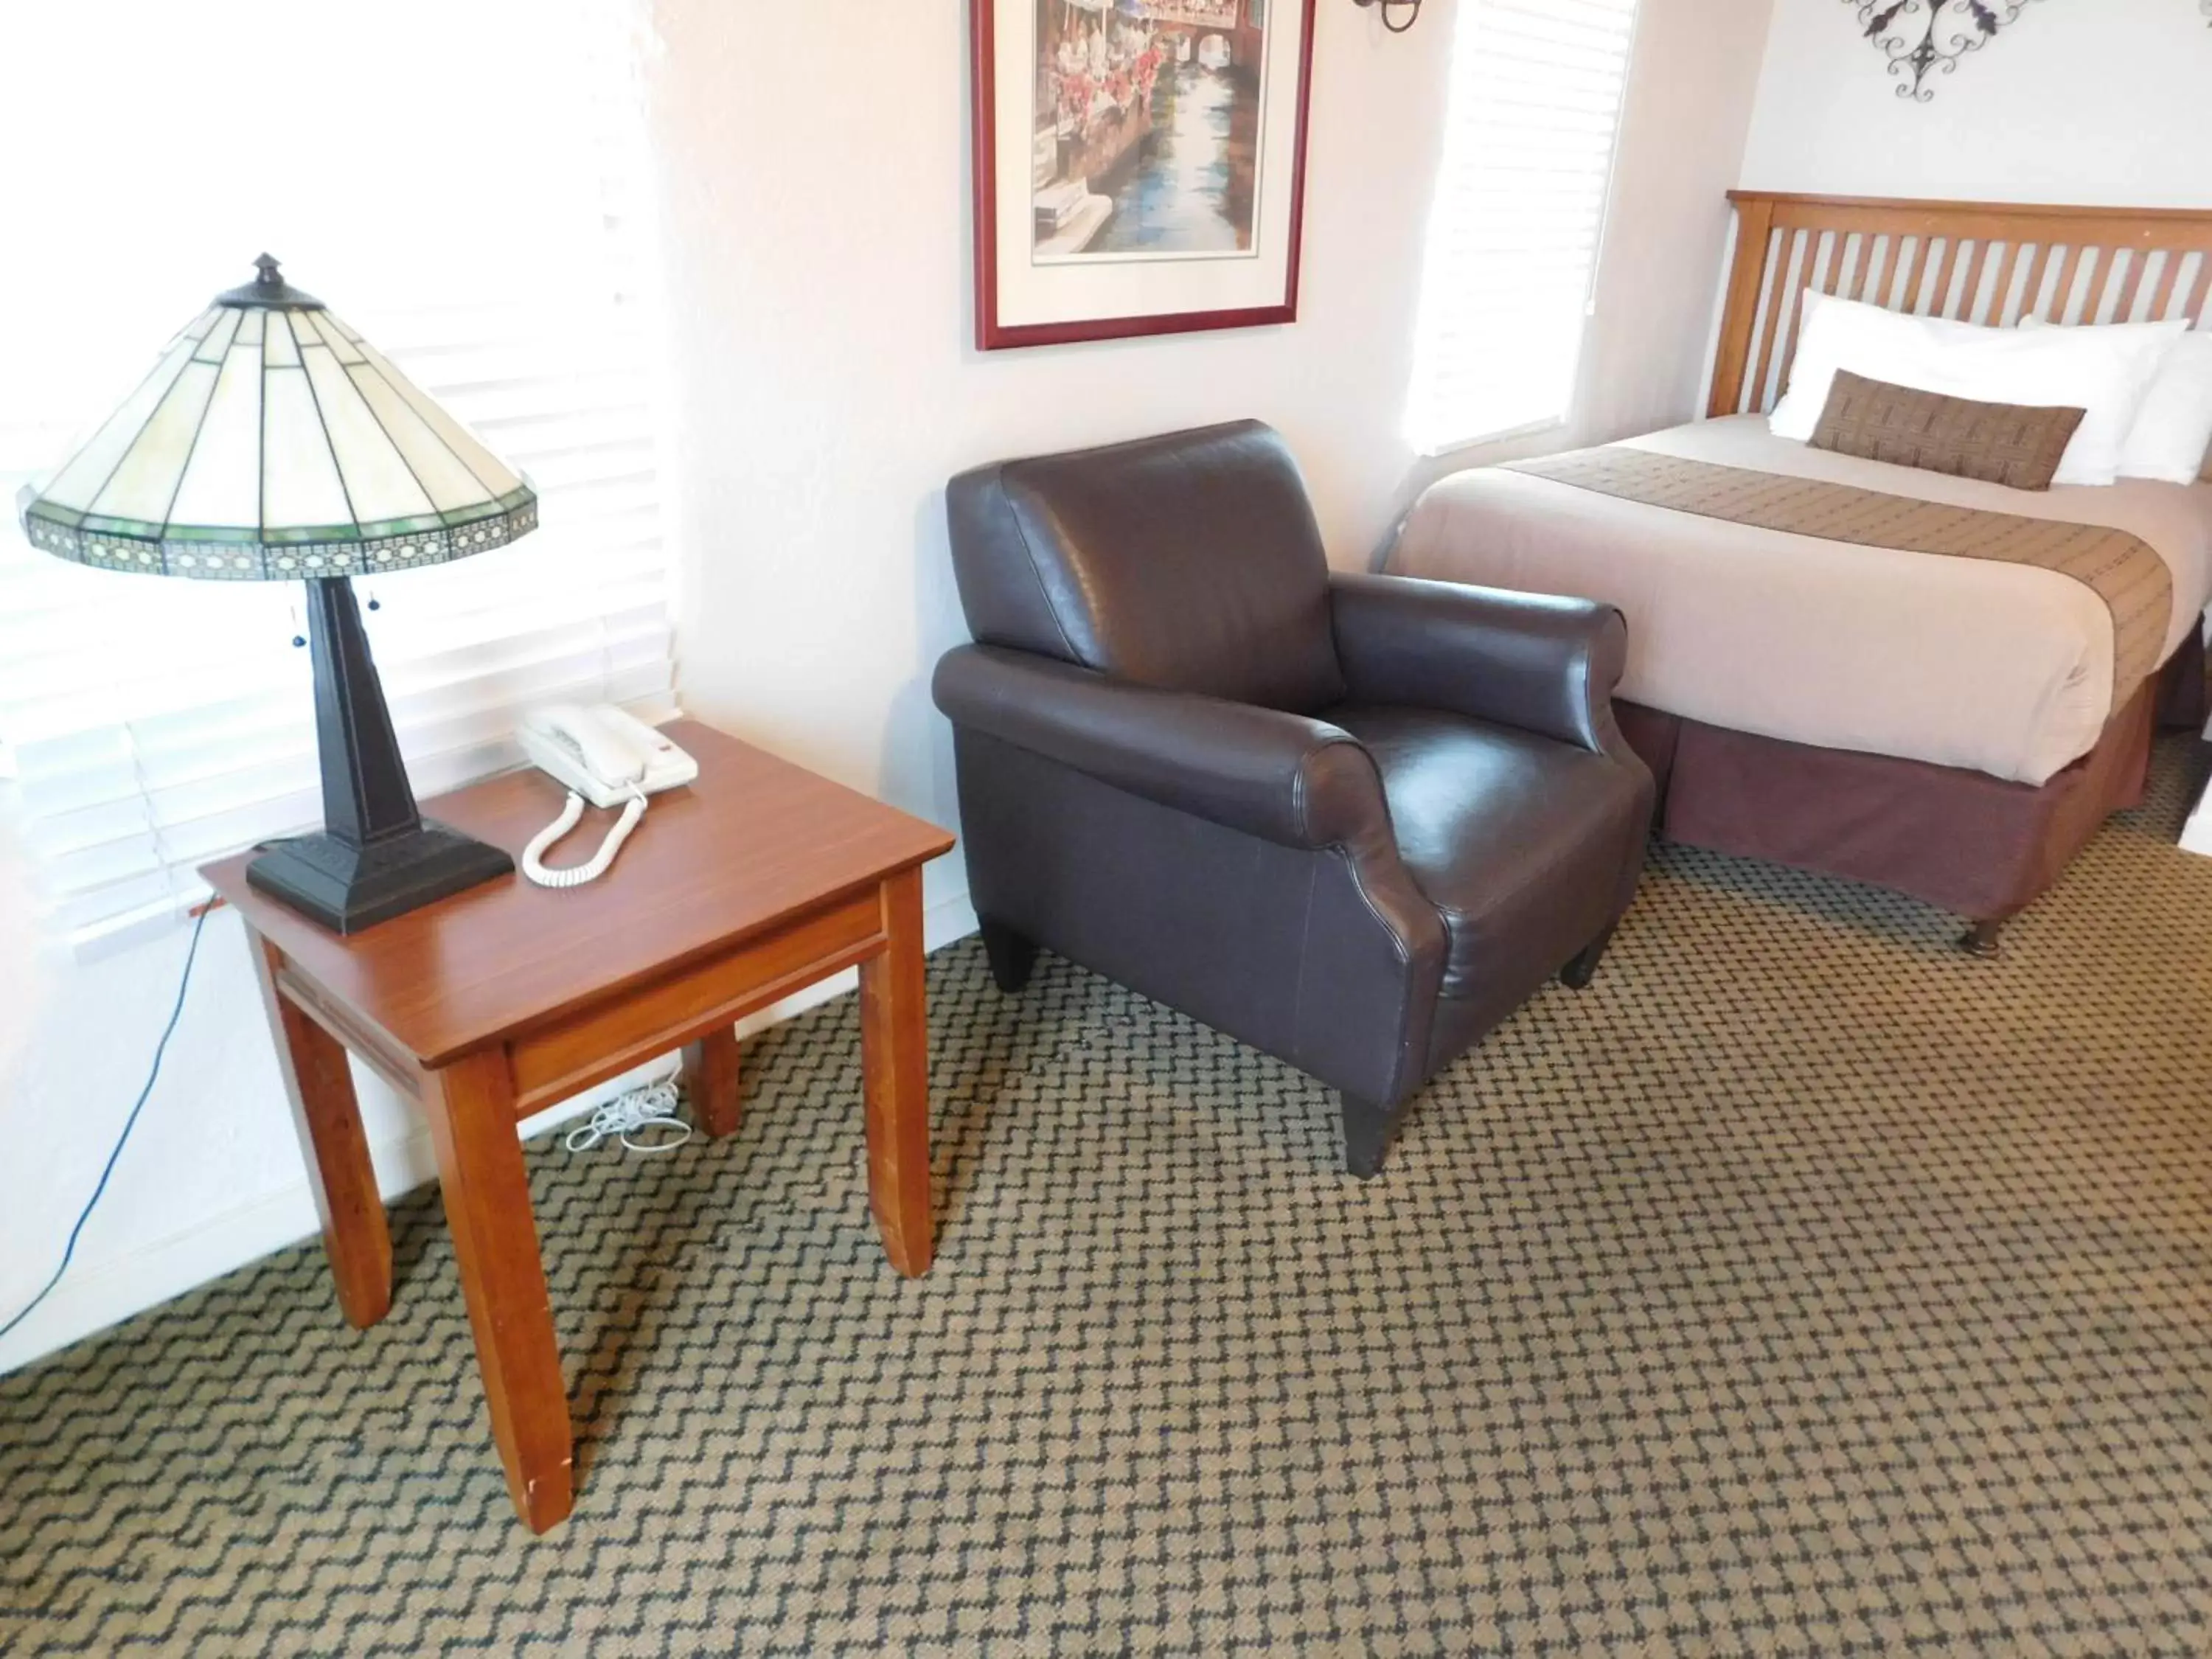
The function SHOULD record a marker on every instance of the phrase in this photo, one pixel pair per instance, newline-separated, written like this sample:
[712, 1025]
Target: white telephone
[607, 757]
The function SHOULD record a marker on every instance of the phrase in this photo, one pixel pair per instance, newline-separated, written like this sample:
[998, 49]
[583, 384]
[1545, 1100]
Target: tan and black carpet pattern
[1802, 1287]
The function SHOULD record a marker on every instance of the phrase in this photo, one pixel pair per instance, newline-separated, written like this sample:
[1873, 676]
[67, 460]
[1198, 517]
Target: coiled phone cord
[576, 875]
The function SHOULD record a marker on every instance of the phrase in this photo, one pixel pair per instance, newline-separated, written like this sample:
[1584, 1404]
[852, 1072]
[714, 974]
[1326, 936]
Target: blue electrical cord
[161, 1049]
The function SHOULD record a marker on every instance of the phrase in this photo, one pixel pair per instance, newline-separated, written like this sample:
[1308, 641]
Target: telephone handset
[607, 757]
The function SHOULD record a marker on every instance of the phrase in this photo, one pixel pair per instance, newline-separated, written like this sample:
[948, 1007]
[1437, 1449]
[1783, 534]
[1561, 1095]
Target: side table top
[754, 842]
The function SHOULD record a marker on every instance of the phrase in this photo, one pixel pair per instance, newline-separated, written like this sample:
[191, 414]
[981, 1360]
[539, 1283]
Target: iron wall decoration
[1139, 165]
[1400, 22]
[1953, 28]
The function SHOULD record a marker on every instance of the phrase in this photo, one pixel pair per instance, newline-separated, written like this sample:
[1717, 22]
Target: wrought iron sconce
[1412, 13]
[1955, 28]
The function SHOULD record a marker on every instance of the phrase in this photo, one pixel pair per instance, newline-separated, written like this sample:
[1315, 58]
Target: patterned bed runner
[2123, 570]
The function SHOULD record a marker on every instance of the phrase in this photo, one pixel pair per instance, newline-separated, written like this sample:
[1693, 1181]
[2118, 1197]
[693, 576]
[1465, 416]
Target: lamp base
[348, 888]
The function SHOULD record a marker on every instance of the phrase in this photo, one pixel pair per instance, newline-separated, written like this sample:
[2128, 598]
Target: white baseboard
[2197, 834]
[86, 1303]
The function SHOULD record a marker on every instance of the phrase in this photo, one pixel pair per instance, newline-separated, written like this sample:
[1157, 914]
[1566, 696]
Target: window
[1535, 101]
[460, 180]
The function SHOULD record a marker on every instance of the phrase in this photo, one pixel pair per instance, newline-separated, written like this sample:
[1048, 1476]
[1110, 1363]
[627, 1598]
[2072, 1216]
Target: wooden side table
[755, 882]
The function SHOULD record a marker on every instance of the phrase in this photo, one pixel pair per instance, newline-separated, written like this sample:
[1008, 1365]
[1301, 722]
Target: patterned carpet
[1804, 1287]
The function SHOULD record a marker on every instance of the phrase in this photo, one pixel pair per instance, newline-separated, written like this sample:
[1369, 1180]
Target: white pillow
[1869, 340]
[2105, 371]
[2171, 437]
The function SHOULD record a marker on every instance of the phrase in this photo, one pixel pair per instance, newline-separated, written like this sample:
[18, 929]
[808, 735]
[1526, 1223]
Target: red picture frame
[994, 332]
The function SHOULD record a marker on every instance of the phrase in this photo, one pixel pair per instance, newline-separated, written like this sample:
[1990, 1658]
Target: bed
[1952, 728]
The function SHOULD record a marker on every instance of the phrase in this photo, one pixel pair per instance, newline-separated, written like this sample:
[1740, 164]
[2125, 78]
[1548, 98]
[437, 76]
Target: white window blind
[1535, 99]
[463, 181]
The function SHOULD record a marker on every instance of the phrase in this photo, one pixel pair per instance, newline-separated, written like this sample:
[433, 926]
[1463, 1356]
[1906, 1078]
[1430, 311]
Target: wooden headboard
[1983, 262]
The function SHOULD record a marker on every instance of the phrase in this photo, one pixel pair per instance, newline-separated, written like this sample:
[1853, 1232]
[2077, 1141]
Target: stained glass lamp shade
[272, 443]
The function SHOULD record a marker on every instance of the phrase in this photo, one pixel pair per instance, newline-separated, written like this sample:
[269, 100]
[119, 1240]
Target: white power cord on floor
[649, 1106]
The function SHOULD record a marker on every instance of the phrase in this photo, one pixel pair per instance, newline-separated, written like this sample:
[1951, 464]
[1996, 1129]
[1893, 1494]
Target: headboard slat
[1808, 277]
[1910, 300]
[2062, 302]
[2124, 310]
[2162, 300]
[1977, 276]
[1856, 245]
[1776, 302]
[2008, 274]
[1863, 266]
[2194, 307]
[2034, 299]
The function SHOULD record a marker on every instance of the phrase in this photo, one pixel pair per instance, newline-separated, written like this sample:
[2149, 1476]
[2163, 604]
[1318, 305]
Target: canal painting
[1147, 129]
[1139, 165]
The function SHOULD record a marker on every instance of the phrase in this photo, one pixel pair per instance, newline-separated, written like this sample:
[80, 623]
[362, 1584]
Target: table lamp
[272, 443]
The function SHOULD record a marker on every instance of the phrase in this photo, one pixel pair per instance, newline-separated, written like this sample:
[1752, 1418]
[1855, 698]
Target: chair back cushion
[1190, 561]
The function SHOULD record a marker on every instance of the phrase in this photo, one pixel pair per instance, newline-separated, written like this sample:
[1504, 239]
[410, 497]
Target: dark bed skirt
[1973, 844]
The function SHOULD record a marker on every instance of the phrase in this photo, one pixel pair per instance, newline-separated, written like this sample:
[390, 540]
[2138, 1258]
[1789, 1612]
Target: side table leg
[895, 1056]
[471, 1106]
[710, 1081]
[327, 1117]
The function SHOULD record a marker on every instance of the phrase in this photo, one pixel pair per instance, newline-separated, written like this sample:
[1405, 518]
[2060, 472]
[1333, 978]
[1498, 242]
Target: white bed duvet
[2003, 668]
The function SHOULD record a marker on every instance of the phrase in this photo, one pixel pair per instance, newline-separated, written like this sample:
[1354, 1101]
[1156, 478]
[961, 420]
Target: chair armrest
[1301, 783]
[1537, 661]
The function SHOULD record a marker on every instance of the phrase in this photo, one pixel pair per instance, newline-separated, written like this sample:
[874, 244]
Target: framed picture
[1139, 165]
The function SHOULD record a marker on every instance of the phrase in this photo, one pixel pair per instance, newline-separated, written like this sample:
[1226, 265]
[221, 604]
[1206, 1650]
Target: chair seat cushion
[1519, 841]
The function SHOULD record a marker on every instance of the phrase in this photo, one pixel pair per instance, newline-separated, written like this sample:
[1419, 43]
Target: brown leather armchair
[1352, 820]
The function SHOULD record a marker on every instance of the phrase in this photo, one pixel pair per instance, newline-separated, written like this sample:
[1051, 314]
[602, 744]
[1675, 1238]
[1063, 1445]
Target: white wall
[814, 200]
[826, 395]
[820, 278]
[2102, 102]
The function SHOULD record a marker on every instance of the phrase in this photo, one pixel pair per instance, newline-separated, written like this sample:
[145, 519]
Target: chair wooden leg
[1013, 957]
[1578, 973]
[1369, 1129]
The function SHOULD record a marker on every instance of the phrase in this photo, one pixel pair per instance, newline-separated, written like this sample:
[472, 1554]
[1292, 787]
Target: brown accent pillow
[2000, 443]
